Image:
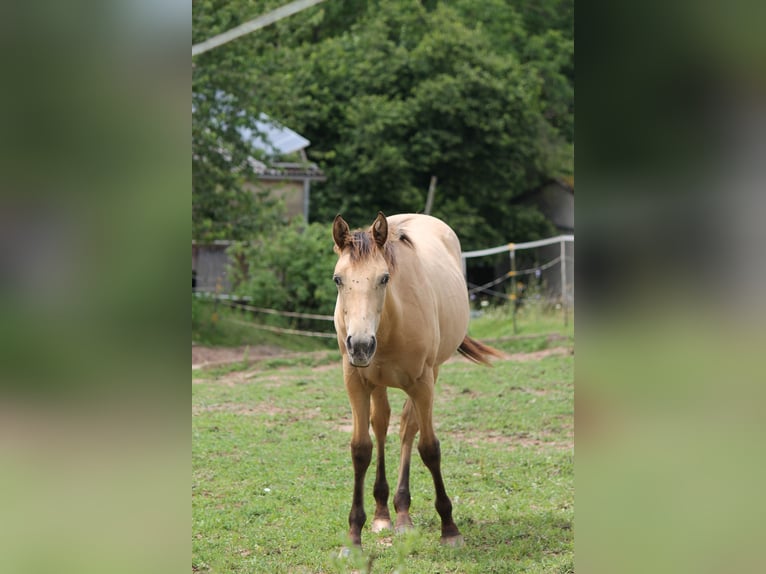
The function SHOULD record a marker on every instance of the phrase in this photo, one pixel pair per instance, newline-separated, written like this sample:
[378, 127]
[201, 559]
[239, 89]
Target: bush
[290, 269]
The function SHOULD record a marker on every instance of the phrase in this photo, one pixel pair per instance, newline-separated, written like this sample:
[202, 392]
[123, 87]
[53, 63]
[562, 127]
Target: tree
[405, 94]
[391, 93]
[289, 269]
[222, 105]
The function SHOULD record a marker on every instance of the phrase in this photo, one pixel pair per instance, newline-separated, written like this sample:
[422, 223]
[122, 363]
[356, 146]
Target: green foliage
[223, 104]
[431, 96]
[222, 207]
[390, 94]
[289, 269]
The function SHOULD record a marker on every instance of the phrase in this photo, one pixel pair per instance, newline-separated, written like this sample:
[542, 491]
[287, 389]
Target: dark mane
[362, 246]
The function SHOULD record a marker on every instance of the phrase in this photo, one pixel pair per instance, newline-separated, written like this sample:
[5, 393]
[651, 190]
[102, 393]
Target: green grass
[218, 325]
[221, 326]
[272, 476]
[535, 329]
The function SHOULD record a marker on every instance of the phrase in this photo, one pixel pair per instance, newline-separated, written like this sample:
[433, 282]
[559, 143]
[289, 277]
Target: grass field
[218, 325]
[272, 475]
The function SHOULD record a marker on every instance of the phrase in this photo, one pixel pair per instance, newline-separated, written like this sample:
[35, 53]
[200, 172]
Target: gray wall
[210, 263]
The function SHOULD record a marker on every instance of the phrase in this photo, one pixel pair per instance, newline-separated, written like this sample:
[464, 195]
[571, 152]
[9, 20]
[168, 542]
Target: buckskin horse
[402, 310]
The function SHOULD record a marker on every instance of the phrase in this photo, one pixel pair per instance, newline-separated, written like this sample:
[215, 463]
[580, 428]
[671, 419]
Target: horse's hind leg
[381, 414]
[422, 395]
[407, 431]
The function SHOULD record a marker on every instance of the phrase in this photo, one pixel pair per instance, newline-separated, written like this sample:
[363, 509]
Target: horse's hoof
[403, 528]
[380, 524]
[454, 541]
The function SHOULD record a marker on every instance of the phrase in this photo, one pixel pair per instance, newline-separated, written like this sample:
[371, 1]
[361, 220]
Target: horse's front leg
[361, 449]
[381, 415]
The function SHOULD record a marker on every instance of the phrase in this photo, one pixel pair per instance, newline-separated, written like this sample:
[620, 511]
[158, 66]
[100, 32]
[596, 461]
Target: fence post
[513, 285]
[306, 198]
[564, 281]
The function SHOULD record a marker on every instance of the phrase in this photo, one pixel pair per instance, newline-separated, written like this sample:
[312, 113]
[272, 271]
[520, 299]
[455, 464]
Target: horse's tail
[477, 352]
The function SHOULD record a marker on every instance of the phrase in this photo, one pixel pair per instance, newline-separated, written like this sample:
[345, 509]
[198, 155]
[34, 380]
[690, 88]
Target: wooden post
[512, 275]
[430, 196]
[306, 194]
[564, 281]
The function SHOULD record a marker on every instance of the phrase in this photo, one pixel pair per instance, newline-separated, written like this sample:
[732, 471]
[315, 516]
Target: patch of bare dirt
[205, 357]
[240, 409]
[540, 441]
[537, 355]
[522, 357]
[216, 356]
[522, 440]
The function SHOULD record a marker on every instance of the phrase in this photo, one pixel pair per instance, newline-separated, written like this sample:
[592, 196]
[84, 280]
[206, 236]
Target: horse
[402, 310]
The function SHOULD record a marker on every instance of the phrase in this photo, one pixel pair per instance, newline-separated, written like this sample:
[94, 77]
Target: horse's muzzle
[361, 351]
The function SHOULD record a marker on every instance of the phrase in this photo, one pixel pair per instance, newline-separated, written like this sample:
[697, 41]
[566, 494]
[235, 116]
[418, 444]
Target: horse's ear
[340, 232]
[380, 229]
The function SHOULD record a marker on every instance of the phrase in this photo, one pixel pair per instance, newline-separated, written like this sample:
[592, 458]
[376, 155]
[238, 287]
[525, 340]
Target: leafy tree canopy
[391, 93]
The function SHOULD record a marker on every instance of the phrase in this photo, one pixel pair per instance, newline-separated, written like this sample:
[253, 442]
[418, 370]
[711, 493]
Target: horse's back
[430, 233]
[437, 250]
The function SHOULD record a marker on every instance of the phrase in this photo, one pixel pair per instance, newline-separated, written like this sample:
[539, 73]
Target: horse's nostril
[349, 346]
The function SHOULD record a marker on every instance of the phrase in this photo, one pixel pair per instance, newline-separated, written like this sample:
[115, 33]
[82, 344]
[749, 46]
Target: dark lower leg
[402, 498]
[361, 454]
[431, 455]
[381, 413]
[380, 491]
[407, 431]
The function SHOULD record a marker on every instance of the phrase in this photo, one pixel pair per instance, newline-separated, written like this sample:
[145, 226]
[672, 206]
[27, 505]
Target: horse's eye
[337, 280]
[384, 279]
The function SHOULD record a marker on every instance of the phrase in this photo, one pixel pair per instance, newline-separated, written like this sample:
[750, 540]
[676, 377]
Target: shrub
[289, 269]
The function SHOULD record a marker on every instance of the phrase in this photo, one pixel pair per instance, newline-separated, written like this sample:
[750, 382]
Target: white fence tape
[235, 301]
[231, 301]
[518, 246]
[283, 331]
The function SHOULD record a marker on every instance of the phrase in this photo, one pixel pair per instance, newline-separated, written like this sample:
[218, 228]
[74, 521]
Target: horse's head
[361, 274]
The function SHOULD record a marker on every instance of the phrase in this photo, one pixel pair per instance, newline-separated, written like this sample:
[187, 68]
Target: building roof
[269, 135]
[273, 138]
